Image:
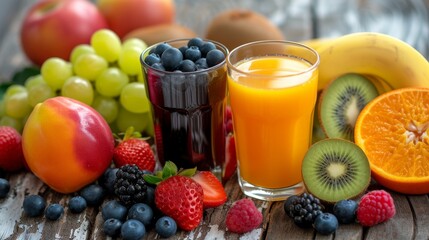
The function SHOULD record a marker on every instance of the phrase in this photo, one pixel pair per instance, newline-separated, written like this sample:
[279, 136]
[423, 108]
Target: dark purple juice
[188, 112]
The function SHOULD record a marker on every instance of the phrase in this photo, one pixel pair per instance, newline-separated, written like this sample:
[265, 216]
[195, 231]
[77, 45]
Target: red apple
[123, 16]
[52, 28]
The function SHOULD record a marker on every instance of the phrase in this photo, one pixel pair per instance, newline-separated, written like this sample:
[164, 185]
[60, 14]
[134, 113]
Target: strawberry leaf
[188, 172]
[152, 179]
[170, 169]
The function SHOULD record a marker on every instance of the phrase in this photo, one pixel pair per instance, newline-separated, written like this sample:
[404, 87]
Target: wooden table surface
[410, 222]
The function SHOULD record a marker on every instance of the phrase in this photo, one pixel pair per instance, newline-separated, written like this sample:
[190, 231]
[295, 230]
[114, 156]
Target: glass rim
[218, 45]
[293, 43]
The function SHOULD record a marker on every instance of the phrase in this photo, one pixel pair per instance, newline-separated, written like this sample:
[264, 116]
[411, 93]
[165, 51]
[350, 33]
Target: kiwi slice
[341, 102]
[335, 169]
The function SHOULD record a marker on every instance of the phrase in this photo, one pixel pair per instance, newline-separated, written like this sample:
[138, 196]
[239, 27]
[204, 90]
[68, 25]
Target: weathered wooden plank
[420, 208]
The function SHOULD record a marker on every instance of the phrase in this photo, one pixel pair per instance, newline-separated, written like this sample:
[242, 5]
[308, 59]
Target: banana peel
[388, 62]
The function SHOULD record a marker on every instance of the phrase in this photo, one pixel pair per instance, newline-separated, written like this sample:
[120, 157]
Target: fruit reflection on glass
[186, 84]
[393, 132]
[273, 91]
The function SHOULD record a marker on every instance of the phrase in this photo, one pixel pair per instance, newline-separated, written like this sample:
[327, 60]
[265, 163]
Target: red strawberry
[132, 150]
[230, 165]
[11, 156]
[214, 193]
[181, 198]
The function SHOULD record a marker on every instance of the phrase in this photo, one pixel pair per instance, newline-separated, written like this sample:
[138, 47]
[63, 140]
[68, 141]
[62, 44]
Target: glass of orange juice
[272, 89]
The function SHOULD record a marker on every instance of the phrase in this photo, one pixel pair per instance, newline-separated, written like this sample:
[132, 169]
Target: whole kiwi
[335, 169]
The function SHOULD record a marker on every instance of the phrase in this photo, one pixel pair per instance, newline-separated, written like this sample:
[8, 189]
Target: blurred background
[305, 19]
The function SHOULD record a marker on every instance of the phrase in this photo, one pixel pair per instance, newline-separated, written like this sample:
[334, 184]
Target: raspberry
[375, 207]
[243, 216]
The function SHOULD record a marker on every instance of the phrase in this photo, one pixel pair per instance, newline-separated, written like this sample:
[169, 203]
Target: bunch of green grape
[105, 74]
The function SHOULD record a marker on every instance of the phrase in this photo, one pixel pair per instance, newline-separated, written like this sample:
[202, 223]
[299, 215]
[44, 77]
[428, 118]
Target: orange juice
[272, 109]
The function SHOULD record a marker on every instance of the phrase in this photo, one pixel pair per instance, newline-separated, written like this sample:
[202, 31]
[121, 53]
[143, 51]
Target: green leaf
[22, 75]
[152, 179]
[170, 169]
[188, 172]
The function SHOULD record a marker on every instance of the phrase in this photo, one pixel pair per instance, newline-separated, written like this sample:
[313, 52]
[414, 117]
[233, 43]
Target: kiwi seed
[335, 169]
[341, 102]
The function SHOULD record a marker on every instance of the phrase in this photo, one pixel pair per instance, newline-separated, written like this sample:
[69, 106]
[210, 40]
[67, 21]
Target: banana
[316, 43]
[389, 62]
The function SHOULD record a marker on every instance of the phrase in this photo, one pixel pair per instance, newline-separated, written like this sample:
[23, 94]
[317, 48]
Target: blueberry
[112, 227]
[114, 209]
[207, 47]
[160, 48]
[152, 58]
[326, 223]
[289, 204]
[141, 212]
[193, 53]
[196, 42]
[108, 180]
[183, 49]
[93, 194]
[158, 66]
[34, 205]
[345, 211]
[150, 196]
[54, 211]
[77, 204]
[4, 187]
[214, 57]
[132, 230]
[186, 66]
[166, 227]
[201, 63]
[171, 58]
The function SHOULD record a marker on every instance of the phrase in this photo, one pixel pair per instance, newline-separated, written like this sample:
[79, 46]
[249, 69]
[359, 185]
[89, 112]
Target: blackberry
[129, 185]
[304, 209]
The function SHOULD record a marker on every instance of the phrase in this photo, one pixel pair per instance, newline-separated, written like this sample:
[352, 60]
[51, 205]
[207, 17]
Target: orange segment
[393, 131]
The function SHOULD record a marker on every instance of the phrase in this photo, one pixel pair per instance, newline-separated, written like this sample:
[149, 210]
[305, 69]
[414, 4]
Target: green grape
[34, 81]
[55, 71]
[140, 77]
[106, 44]
[17, 106]
[129, 60]
[79, 89]
[108, 107]
[133, 98]
[89, 66]
[40, 93]
[110, 82]
[126, 119]
[13, 89]
[2, 111]
[134, 42]
[80, 50]
[12, 122]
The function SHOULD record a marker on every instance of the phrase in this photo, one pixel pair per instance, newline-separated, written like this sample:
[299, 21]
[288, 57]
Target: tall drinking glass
[273, 89]
[188, 112]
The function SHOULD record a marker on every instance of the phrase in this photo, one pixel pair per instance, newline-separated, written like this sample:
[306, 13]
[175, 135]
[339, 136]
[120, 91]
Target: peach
[67, 144]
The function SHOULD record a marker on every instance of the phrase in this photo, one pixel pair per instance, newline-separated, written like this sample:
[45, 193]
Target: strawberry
[214, 193]
[230, 165]
[178, 196]
[134, 150]
[11, 155]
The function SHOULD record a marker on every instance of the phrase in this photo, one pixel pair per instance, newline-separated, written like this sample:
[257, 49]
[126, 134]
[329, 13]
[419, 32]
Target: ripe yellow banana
[389, 62]
[316, 43]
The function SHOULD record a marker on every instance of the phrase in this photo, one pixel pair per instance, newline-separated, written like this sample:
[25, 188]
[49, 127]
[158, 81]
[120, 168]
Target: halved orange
[393, 131]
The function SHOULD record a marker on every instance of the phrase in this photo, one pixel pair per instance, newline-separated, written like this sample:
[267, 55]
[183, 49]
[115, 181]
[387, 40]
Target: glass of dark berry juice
[186, 84]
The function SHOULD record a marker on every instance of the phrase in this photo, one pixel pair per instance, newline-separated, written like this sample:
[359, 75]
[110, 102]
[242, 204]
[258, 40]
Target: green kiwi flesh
[335, 169]
[341, 102]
